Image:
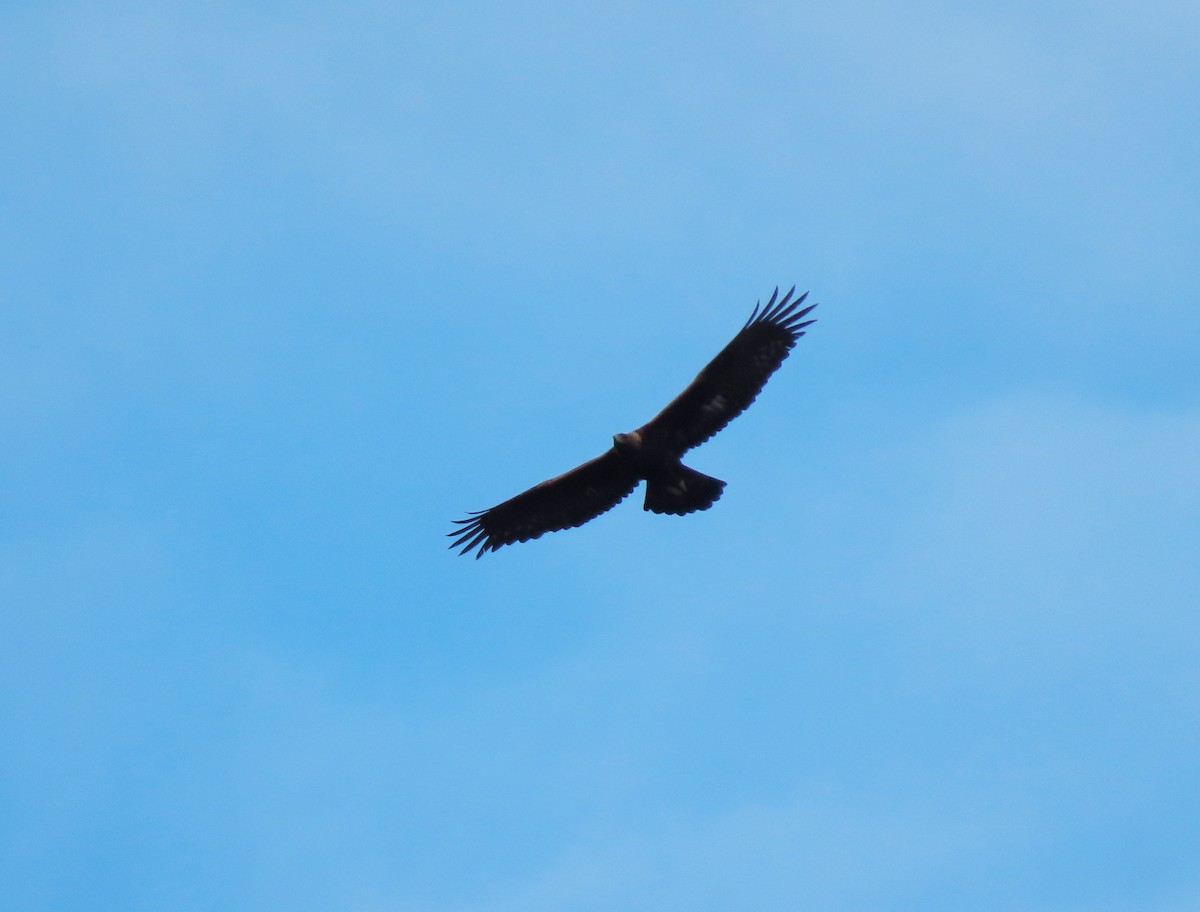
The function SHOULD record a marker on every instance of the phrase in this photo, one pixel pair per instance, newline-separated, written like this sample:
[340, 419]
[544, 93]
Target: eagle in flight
[720, 392]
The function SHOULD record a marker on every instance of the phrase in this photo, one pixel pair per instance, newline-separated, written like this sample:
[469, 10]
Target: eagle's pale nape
[652, 453]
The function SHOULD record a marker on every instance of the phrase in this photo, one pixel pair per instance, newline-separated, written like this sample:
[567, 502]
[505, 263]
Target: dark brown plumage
[720, 392]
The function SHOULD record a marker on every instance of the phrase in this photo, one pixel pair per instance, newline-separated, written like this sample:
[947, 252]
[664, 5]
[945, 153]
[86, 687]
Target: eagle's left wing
[569, 500]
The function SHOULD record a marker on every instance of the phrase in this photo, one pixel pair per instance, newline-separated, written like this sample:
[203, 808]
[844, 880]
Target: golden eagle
[720, 392]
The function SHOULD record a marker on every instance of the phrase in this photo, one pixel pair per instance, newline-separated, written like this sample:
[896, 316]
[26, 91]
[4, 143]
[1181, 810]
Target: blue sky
[287, 287]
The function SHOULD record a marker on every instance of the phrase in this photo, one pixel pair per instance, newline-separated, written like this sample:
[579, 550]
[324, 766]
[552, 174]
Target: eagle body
[653, 453]
[671, 487]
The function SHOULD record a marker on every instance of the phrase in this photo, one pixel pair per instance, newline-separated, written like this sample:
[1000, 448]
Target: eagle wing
[569, 500]
[733, 379]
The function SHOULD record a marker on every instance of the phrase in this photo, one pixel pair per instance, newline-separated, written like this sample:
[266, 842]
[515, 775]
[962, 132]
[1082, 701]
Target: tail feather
[682, 491]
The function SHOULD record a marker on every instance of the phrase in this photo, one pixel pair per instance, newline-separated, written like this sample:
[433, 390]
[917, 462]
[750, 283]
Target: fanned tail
[682, 491]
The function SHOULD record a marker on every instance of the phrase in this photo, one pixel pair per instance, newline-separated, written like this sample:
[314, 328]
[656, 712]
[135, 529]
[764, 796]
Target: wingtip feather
[778, 310]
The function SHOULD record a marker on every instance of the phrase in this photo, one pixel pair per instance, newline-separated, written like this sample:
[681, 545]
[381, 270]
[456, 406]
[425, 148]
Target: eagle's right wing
[569, 500]
[733, 379]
